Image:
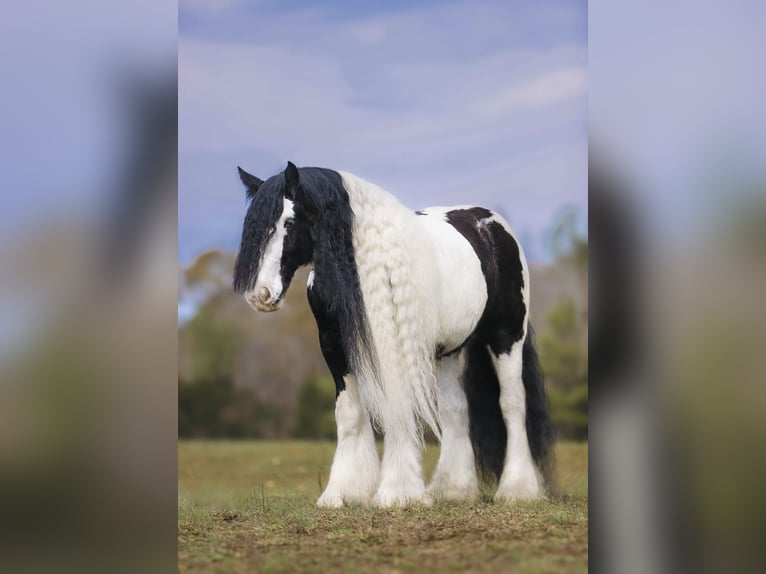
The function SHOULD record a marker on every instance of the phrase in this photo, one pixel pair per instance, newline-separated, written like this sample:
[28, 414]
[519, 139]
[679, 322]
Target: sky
[67, 72]
[676, 94]
[440, 103]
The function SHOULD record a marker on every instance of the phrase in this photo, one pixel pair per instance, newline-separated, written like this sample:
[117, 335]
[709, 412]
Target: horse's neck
[372, 205]
[387, 234]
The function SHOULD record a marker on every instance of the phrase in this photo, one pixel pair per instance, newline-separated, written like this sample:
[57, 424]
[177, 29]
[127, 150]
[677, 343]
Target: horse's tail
[540, 433]
[485, 419]
[489, 435]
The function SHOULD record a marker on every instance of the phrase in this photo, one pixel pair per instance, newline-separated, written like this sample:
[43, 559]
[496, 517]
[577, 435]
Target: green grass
[249, 507]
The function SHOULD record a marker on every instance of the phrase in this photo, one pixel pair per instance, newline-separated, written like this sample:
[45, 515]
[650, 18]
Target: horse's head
[276, 238]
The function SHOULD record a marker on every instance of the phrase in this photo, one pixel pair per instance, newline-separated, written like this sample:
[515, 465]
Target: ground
[248, 506]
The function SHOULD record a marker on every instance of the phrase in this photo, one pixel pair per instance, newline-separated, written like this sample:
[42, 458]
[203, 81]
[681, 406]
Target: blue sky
[65, 67]
[439, 102]
[676, 94]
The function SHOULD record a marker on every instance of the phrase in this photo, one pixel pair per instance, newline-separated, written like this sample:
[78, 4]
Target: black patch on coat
[502, 322]
[501, 325]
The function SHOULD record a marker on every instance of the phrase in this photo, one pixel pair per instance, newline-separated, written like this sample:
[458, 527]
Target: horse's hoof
[453, 493]
[519, 493]
[400, 498]
[330, 500]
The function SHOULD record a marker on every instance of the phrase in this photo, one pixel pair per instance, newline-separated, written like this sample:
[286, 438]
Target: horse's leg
[401, 477]
[455, 476]
[401, 474]
[520, 479]
[354, 472]
[355, 467]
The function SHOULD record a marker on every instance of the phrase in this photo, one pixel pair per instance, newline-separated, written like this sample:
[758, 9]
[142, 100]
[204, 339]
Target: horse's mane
[394, 263]
[378, 300]
[336, 272]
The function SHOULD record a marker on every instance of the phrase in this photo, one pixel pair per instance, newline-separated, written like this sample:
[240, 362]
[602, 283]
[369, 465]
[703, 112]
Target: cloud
[389, 97]
[237, 96]
[544, 90]
[369, 33]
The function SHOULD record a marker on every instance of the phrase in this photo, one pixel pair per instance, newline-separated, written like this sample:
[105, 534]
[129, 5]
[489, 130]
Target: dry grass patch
[249, 507]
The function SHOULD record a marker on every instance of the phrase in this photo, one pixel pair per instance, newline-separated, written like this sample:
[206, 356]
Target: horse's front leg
[355, 468]
[401, 480]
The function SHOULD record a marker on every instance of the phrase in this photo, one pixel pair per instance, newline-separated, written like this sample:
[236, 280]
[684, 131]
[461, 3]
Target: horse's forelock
[262, 214]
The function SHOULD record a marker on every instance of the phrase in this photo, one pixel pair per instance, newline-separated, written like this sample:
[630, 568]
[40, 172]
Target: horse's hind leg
[455, 476]
[520, 479]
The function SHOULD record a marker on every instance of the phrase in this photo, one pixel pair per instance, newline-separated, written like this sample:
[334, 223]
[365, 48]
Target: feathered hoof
[330, 500]
[335, 498]
[522, 492]
[453, 493]
[401, 497]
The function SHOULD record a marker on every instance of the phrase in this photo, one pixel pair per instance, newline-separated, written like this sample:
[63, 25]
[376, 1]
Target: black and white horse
[423, 321]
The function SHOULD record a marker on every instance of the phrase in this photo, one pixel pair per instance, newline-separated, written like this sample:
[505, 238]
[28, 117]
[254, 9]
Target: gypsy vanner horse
[423, 322]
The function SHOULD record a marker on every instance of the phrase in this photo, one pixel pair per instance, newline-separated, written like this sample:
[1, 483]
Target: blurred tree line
[563, 344]
[248, 375]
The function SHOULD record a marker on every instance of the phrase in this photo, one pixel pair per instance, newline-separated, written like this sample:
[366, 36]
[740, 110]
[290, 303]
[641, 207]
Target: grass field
[249, 507]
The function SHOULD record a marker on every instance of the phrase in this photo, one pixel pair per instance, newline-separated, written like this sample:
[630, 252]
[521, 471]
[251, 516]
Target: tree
[213, 346]
[563, 344]
[565, 362]
[315, 413]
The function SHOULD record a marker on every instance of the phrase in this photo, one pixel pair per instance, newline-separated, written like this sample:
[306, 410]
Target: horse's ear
[251, 182]
[292, 181]
[295, 192]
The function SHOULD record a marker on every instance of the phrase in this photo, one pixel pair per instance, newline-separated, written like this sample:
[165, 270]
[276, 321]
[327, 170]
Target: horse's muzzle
[263, 300]
[267, 308]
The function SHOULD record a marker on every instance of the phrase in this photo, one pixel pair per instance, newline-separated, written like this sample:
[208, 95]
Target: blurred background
[115, 313]
[677, 134]
[88, 220]
[439, 103]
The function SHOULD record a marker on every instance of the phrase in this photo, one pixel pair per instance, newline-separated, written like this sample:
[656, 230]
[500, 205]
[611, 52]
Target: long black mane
[322, 199]
[336, 277]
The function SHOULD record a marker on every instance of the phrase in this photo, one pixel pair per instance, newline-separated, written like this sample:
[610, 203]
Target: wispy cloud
[545, 90]
[369, 33]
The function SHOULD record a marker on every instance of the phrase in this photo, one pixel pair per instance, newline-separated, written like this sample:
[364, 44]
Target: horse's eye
[289, 223]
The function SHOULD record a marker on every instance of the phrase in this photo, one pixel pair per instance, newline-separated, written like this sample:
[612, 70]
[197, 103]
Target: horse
[423, 321]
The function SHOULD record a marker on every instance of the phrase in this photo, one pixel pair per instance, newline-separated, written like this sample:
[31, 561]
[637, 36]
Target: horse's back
[485, 230]
[478, 261]
[460, 289]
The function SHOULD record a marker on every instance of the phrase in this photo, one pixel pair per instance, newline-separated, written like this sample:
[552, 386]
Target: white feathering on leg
[355, 467]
